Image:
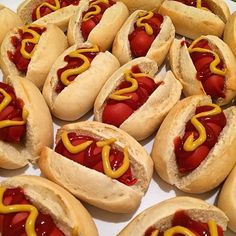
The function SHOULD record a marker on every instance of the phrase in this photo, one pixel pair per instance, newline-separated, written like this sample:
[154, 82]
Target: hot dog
[206, 66]
[98, 22]
[29, 51]
[100, 164]
[195, 18]
[31, 205]
[179, 215]
[144, 33]
[76, 78]
[226, 200]
[8, 20]
[45, 12]
[191, 144]
[135, 100]
[25, 123]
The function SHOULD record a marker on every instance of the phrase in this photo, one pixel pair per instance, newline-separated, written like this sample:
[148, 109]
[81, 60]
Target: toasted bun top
[161, 214]
[66, 211]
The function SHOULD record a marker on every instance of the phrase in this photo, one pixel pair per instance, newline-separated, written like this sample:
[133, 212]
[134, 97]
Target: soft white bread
[227, 201]
[8, 20]
[161, 215]
[78, 97]
[66, 211]
[144, 121]
[60, 17]
[230, 33]
[220, 159]
[185, 71]
[159, 47]
[51, 44]
[104, 32]
[134, 5]
[92, 186]
[193, 22]
[39, 128]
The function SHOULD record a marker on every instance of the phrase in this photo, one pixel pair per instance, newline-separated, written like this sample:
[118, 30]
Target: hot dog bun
[221, 158]
[159, 48]
[185, 71]
[78, 97]
[107, 28]
[226, 201]
[51, 44]
[144, 121]
[39, 128]
[134, 5]
[8, 20]
[60, 17]
[193, 22]
[161, 214]
[67, 212]
[92, 186]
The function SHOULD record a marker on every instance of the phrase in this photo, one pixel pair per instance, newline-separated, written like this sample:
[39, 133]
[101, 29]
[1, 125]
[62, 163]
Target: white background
[110, 224]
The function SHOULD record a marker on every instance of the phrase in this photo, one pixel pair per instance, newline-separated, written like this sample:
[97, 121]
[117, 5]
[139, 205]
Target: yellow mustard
[55, 7]
[214, 63]
[30, 222]
[130, 77]
[33, 40]
[97, 10]
[145, 16]
[199, 5]
[190, 144]
[76, 71]
[6, 100]
[155, 232]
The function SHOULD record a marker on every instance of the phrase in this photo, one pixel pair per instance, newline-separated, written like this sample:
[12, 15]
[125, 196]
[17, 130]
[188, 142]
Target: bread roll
[93, 186]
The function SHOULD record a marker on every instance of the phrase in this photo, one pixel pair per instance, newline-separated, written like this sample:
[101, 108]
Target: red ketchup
[116, 112]
[44, 10]
[16, 57]
[72, 63]
[88, 25]
[13, 111]
[188, 161]
[140, 41]
[213, 84]
[181, 218]
[193, 3]
[13, 224]
[92, 157]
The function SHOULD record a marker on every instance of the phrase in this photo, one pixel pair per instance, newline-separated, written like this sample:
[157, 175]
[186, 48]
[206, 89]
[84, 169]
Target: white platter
[110, 224]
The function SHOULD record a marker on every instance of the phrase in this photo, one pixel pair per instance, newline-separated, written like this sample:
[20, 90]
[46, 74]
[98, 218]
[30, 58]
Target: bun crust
[161, 214]
[159, 47]
[227, 202]
[221, 157]
[8, 20]
[39, 129]
[112, 20]
[60, 17]
[70, 104]
[92, 186]
[67, 212]
[144, 121]
[185, 71]
[53, 38]
[193, 22]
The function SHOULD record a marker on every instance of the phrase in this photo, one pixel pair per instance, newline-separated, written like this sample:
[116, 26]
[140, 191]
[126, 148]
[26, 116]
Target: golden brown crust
[109, 194]
[67, 212]
[160, 215]
[193, 22]
[227, 202]
[112, 20]
[70, 104]
[221, 157]
[53, 38]
[159, 47]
